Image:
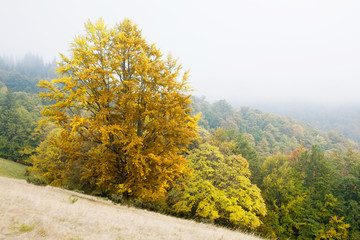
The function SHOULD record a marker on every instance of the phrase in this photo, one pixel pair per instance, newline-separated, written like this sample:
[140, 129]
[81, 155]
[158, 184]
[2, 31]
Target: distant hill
[23, 75]
[268, 133]
[343, 118]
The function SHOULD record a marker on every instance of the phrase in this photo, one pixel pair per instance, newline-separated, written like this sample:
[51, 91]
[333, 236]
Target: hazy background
[242, 51]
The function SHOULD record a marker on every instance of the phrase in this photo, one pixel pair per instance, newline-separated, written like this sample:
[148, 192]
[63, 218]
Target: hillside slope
[12, 169]
[34, 212]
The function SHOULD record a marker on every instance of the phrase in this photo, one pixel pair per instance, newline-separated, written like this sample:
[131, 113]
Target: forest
[344, 118]
[151, 144]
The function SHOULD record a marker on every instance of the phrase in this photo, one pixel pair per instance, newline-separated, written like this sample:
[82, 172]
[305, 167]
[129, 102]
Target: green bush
[36, 181]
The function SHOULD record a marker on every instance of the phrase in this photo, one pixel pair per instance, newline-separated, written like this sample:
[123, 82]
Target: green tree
[19, 115]
[347, 189]
[9, 129]
[320, 215]
[285, 197]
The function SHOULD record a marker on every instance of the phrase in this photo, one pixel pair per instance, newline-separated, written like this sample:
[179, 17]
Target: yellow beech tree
[124, 111]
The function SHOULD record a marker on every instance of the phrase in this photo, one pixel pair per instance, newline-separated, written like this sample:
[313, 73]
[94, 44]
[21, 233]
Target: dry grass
[35, 212]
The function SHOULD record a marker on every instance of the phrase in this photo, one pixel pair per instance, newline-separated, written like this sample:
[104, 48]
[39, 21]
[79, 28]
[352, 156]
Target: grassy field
[36, 212]
[12, 169]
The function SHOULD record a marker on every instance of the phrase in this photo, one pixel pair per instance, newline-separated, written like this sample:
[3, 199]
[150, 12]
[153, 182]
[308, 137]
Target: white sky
[244, 50]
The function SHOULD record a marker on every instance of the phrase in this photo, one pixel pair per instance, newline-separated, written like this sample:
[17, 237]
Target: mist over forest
[343, 118]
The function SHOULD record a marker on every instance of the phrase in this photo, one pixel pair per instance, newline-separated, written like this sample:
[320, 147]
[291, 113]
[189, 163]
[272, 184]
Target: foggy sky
[245, 50]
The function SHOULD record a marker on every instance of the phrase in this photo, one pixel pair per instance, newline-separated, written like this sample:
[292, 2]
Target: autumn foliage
[220, 189]
[124, 113]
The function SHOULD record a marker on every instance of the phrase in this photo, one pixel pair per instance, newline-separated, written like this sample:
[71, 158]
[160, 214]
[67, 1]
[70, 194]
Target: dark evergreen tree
[10, 129]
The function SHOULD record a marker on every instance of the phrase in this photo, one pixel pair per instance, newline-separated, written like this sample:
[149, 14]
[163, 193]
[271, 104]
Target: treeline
[268, 133]
[344, 118]
[24, 74]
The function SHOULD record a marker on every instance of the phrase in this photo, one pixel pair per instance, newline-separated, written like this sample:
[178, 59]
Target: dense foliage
[301, 196]
[19, 115]
[124, 113]
[220, 189]
[267, 133]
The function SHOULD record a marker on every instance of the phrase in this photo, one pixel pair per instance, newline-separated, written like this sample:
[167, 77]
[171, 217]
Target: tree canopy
[124, 112]
[220, 189]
